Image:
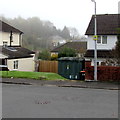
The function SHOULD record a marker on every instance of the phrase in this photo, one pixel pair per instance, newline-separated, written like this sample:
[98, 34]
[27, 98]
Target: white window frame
[101, 40]
[5, 43]
[15, 64]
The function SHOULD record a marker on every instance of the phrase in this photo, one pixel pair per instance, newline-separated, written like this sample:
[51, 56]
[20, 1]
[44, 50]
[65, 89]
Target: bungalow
[12, 53]
[80, 47]
[107, 31]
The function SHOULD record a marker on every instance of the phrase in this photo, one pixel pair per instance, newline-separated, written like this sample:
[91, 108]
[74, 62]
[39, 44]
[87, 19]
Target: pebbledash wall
[111, 42]
[105, 73]
[24, 64]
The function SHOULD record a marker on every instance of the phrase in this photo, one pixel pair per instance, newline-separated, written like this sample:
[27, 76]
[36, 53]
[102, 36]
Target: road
[34, 101]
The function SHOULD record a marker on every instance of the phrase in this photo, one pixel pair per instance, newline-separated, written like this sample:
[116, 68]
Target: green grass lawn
[31, 75]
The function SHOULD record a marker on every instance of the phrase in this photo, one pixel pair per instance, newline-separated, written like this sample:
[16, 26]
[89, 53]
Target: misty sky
[72, 13]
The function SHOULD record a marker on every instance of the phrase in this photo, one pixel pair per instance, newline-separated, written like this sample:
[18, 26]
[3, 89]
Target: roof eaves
[14, 57]
[7, 28]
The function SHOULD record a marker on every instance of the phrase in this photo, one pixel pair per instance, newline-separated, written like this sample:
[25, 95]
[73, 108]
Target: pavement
[65, 83]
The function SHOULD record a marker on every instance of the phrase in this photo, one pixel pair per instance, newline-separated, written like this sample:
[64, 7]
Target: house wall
[0, 38]
[1, 47]
[111, 42]
[24, 64]
[6, 38]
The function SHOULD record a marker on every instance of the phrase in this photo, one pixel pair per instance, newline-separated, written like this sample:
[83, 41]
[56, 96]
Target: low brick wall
[105, 73]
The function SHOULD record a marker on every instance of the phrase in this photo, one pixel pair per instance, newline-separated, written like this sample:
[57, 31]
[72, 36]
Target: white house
[12, 53]
[57, 40]
[107, 31]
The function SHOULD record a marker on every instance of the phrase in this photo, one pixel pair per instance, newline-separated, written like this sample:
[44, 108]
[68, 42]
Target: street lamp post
[95, 39]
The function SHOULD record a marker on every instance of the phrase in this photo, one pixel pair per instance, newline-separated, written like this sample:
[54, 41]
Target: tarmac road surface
[34, 101]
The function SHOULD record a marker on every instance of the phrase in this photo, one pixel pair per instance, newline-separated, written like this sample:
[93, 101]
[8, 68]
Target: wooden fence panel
[48, 66]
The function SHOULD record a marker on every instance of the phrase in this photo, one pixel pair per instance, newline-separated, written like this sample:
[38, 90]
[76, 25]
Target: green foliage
[118, 48]
[118, 45]
[31, 75]
[116, 51]
[44, 55]
[67, 52]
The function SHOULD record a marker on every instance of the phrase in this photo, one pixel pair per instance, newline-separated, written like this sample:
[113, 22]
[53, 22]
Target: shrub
[67, 52]
[44, 55]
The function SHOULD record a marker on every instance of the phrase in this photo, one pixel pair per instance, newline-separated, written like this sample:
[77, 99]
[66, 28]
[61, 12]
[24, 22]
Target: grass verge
[31, 75]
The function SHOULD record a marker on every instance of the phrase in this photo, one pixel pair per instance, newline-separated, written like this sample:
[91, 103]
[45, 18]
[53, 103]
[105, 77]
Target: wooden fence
[48, 66]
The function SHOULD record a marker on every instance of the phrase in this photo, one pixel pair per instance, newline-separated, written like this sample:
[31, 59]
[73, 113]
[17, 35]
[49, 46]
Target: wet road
[32, 101]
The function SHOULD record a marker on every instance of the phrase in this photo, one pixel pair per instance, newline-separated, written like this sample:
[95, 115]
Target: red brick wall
[105, 73]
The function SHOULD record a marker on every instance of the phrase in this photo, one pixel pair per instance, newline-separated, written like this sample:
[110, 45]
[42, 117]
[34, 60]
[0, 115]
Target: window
[5, 44]
[98, 63]
[16, 64]
[102, 39]
[99, 40]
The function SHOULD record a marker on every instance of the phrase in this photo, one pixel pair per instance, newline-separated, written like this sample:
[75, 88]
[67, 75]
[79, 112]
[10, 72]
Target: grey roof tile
[4, 27]
[75, 45]
[107, 24]
[16, 52]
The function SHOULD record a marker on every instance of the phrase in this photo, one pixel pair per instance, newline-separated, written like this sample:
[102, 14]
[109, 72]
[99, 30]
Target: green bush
[67, 52]
[44, 55]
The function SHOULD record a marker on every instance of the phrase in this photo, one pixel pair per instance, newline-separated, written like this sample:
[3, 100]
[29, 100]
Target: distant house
[57, 40]
[107, 31]
[12, 53]
[80, 47]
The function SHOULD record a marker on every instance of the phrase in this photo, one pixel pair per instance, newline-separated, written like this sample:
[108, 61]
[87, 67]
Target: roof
[100, 54]
[107, 24]
[16, 52]
[75, 45]
[4, 27]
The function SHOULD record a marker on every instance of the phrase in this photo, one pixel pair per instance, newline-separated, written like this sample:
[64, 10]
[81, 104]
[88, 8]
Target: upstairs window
[102, 39]
[99, 40]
